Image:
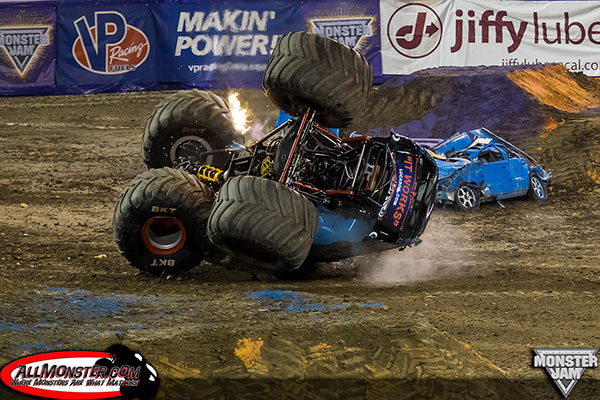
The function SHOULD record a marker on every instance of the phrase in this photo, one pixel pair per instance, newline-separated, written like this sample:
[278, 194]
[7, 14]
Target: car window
[490, 154]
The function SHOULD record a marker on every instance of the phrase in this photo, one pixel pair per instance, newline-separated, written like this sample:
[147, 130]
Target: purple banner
[27, 47]
[227, 41]
[353, 23]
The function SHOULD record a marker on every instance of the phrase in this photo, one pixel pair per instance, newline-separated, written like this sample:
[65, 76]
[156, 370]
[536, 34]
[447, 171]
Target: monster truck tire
[307, 70]
[160, 219]
[466, 198]
[538, 190]
[263, 223]
[187, 123]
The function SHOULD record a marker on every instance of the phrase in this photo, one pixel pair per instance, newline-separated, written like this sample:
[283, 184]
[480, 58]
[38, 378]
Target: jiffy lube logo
[470, 33]
[347, 30]
[108, 45]
[415, 30]
[22, 43]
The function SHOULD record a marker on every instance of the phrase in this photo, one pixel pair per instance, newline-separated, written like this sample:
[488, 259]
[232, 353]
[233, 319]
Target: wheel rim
[163, 235]
[187, 149]
[466, 197]
[538, 188]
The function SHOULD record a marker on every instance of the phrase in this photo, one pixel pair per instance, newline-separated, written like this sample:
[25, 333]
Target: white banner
[434, 33]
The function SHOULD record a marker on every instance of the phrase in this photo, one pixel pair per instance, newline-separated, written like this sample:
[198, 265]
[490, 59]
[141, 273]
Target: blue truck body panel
[335, 226]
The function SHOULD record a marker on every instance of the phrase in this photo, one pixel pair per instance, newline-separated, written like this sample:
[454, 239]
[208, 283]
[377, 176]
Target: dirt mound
[514, 102]
[548, 111]
[400, 100]
[572, 152]
[556, 87]
[529, 106]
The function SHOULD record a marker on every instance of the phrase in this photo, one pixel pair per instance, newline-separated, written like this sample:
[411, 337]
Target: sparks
[239, 114]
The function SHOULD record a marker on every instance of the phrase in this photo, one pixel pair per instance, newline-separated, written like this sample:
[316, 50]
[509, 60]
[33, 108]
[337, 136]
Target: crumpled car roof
[464, 140]
[475, 140]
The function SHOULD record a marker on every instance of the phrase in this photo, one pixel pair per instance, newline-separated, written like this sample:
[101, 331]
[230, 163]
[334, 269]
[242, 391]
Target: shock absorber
[210, 174]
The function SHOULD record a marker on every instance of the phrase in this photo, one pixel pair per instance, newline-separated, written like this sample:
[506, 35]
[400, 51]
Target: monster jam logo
[565, 366]
[110, 46]
[348, 30]
[22, 43]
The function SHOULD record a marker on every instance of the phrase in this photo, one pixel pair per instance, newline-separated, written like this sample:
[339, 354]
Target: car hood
[448, 167]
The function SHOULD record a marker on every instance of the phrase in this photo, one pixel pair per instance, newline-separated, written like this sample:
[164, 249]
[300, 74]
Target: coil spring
[266, 166]
[209, 173]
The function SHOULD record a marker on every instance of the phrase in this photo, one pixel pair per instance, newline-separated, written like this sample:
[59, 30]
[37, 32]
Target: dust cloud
[438, 256]
[258, 130]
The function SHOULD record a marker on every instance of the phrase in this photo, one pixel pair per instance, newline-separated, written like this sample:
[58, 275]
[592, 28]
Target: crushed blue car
[478, 166]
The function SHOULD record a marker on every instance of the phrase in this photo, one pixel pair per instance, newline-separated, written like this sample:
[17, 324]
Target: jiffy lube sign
[221, 40]
[418, 35]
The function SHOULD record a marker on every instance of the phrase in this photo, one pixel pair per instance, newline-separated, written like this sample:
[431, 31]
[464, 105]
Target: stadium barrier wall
[80, 46]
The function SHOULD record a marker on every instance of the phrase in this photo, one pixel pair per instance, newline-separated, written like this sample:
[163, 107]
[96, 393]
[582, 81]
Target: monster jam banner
[105, 44]
[226, 41]
[27, 48]
[476, 32]
[356, 24]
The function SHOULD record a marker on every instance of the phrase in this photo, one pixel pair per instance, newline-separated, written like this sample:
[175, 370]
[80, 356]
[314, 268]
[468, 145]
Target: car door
[496, 171]
[519, 171]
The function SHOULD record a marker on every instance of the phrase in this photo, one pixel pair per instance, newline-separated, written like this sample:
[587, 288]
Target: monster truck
[299, 194]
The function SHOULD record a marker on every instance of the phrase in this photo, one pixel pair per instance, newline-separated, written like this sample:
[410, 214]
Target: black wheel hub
[190, 150]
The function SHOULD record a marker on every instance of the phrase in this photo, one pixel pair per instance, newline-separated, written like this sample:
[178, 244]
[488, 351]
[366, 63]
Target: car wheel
[538, 190]
[466, 198]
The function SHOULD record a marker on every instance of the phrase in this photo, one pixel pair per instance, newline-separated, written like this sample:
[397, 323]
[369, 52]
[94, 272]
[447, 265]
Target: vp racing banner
[109, 43]
[430, 34]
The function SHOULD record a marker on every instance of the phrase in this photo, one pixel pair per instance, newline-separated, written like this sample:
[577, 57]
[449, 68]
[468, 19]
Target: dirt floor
[456, 317]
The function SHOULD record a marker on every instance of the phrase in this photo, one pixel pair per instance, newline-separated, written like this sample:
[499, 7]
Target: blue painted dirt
[294, 302]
